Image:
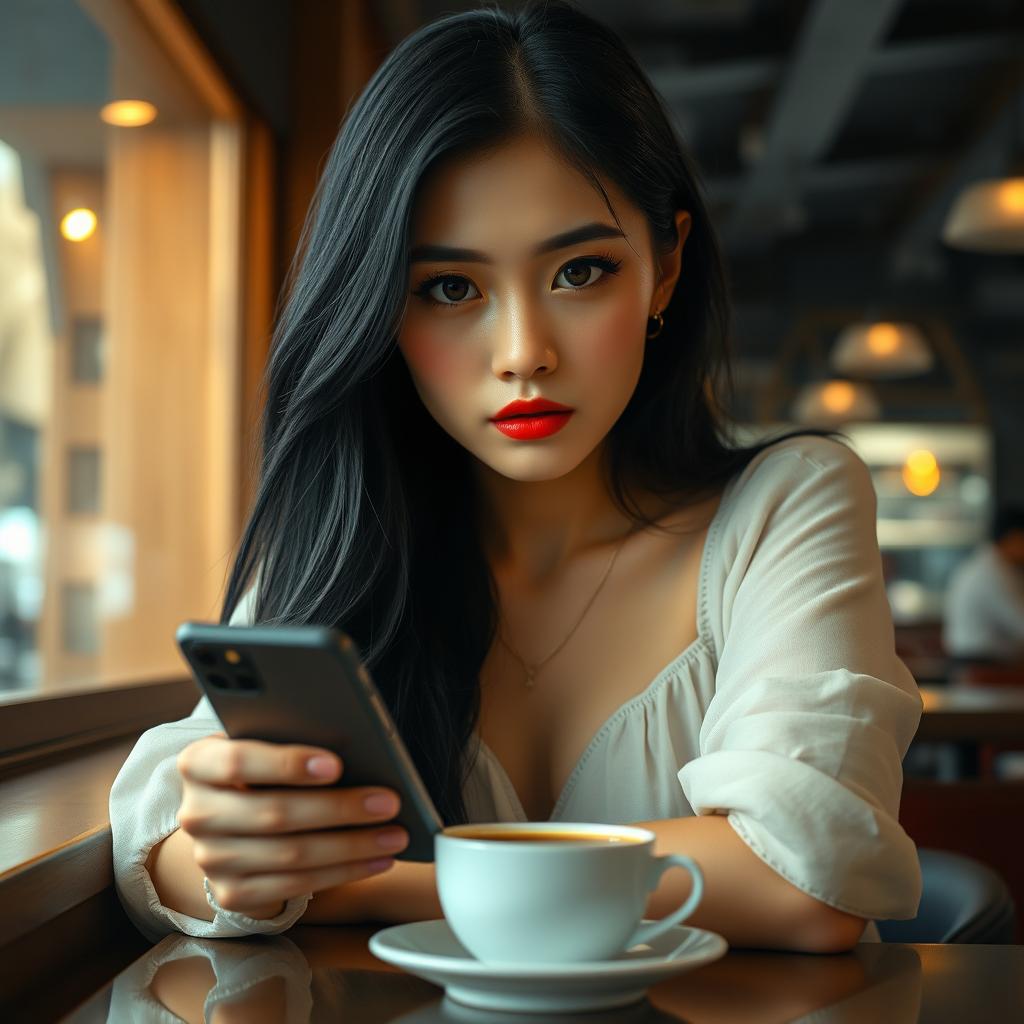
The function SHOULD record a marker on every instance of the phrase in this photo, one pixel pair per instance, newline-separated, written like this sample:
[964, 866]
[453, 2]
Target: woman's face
[567, 324]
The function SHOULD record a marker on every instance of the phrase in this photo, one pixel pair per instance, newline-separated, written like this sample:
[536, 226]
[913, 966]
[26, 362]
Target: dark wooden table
[971, 717]
[972, 713]
[328, 974]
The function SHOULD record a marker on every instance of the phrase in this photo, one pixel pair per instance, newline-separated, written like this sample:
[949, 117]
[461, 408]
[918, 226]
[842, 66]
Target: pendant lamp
[830, 402]
[882, 349]
[988, 215]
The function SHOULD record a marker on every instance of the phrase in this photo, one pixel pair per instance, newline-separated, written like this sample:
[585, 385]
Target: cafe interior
[863, 164]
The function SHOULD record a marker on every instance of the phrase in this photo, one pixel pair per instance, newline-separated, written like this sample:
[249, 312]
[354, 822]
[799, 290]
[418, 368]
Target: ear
[669, 265]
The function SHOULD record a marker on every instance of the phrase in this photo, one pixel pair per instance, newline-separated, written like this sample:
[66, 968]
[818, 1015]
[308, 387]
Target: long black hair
[365, 514]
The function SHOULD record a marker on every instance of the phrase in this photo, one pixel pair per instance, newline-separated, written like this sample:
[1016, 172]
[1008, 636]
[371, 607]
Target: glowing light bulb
[78, 224]
[883, 339]
[1011, 195]
[838, 396]
[128, 113]
[921, 475]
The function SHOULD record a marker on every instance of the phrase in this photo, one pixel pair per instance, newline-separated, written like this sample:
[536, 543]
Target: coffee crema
[524, 836]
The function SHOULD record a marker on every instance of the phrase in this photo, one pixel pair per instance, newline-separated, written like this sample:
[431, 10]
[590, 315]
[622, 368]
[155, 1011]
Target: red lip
[533, 407]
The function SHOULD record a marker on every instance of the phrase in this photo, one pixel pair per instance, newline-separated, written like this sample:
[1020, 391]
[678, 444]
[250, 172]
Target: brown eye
[454, 289]
[578, 274]
[444, 289]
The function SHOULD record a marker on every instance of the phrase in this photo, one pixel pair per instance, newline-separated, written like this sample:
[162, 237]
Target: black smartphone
[308, 684]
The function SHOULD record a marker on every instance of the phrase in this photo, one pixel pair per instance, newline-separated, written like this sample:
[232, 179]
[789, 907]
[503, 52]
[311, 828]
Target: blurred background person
[984, 612]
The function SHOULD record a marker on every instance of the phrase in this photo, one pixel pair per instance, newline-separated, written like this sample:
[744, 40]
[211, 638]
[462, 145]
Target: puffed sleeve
[803, 740]
[144, 802]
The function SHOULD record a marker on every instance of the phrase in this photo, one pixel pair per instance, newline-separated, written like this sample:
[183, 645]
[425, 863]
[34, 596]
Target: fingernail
[321, 766]
[380, 865]
[381, 803]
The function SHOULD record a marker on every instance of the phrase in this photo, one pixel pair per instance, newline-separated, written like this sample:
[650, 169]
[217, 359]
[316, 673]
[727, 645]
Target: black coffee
[525, 836]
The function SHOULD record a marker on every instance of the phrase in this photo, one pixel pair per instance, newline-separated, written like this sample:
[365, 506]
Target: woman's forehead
[507, 200]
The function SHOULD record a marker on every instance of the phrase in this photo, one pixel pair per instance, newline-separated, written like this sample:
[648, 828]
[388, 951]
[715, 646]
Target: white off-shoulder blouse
[790, 713]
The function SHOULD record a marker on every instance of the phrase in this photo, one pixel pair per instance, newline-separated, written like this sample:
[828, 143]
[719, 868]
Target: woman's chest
[643, 617]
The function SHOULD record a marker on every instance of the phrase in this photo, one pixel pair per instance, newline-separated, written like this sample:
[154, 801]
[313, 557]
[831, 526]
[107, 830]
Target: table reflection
[326, 974]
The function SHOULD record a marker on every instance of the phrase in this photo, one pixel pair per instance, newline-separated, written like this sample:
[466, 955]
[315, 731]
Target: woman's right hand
[260, 847]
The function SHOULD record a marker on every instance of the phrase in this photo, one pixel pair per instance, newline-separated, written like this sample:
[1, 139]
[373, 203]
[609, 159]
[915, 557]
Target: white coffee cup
[553, 892]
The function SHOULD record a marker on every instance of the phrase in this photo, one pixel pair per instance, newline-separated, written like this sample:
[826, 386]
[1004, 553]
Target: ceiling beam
[834, 46]
[941, 54]
[838, 176]
[751, 74]
[718, 79]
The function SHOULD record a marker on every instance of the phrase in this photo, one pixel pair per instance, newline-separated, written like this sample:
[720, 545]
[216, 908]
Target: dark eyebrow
[586, 233]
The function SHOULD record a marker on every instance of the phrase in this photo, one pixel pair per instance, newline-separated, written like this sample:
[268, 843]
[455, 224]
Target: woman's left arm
[744, 900]
[799, 772]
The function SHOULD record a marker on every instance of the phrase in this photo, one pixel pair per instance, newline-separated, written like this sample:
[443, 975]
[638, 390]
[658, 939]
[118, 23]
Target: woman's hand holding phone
[260, 847]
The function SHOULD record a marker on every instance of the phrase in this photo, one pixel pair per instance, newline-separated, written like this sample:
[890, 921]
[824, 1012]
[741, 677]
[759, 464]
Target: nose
[523, 344]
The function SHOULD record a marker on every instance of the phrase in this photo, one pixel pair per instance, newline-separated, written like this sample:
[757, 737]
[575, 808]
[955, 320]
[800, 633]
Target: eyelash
[604, 261]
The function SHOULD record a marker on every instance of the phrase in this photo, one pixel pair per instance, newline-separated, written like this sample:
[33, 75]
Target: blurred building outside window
[120, 346]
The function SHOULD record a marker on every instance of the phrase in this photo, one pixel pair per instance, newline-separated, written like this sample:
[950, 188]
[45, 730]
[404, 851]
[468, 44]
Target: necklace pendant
[531, 675]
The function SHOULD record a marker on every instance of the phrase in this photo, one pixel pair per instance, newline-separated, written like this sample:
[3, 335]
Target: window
[86, 351]
[80, 633]
[121, 343]
[83, 481]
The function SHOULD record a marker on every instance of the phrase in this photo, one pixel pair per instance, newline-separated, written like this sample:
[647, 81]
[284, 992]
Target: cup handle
[646, 932]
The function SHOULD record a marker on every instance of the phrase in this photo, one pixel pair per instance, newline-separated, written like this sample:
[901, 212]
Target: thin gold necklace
[532, 670]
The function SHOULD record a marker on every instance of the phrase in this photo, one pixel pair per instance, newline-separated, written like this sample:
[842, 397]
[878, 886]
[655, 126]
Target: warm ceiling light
[922, 462]
[988, 216]
[838, 396]
[883, 339]
[882, 350]
[78, 224]
[835, 401]
[1011, 195]
[921, 473]
[128, 113]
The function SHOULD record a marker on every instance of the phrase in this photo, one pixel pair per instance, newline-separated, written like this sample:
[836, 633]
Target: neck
[533, 529]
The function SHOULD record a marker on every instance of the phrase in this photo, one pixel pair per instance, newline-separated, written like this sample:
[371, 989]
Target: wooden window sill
[55, 849]
[55, 846]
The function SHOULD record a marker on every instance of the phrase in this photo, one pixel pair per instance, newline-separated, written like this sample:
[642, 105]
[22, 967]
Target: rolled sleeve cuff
[811, 829]
[155, 920]
[233, 922]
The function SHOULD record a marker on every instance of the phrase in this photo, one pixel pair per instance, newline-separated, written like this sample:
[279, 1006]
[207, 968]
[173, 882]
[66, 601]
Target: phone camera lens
[244, 682]
[207, 658]
[219, 681]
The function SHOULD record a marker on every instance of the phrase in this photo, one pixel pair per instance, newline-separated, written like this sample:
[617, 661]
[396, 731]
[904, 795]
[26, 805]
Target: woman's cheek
[435, 364]
[424, 355]
[615, 340]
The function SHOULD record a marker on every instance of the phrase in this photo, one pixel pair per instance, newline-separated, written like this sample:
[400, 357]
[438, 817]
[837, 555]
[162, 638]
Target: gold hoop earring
[661, 323]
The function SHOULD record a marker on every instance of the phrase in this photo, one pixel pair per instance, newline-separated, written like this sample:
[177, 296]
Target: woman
[609, 613]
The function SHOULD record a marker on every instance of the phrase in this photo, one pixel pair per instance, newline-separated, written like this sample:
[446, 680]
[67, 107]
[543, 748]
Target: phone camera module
[205, 657]
[247, 682]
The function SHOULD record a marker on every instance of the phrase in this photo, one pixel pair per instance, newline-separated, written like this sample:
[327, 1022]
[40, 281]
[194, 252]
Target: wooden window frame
[40, 726]
[37, 725]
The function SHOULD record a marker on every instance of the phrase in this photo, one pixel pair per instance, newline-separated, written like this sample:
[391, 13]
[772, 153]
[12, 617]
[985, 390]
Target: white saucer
[429, 950]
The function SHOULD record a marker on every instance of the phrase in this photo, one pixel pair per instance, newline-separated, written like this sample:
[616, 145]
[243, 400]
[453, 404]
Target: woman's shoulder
[792, 460]
[788, 455]
[786, 472]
